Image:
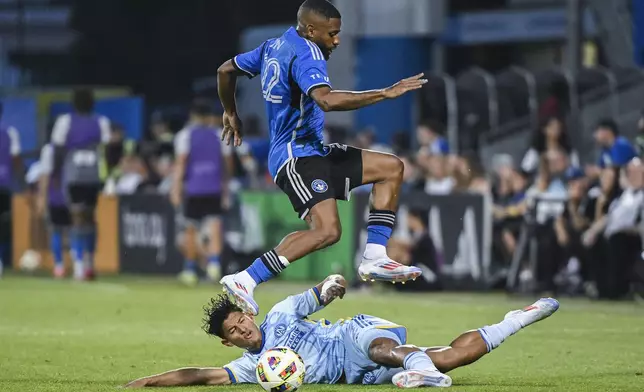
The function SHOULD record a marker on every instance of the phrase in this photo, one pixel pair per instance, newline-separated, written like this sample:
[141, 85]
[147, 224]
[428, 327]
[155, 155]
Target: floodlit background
[521, 180]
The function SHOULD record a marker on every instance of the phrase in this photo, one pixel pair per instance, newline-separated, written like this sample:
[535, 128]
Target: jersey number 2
[270, 79]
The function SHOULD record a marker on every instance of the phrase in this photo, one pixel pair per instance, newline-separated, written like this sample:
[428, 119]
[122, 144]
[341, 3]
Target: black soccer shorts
[197, 209]
[310, 180]
[83, 195]
[59, 216]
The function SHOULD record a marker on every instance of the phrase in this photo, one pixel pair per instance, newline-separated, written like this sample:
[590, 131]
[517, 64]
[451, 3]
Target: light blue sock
[418, 360]
[494, 335]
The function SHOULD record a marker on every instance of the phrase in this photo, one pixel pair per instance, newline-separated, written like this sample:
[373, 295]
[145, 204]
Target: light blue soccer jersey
[329, 351]
[290, 67]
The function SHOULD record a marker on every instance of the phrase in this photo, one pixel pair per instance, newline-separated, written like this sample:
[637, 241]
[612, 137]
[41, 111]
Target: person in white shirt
[621, 227]
[550, 137]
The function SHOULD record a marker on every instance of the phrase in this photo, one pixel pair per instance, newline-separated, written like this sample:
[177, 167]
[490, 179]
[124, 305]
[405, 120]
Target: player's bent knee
[391, 167]
[398, 167]
[382, 351]
[331, 234]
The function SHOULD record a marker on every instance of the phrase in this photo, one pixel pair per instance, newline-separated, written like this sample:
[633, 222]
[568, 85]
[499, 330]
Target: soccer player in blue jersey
[297, 91]
[362, 350]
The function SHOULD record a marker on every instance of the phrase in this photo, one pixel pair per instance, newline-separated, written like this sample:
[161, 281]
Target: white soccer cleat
[538, 311]
[421, 378]
[387, 270]
[240, 294]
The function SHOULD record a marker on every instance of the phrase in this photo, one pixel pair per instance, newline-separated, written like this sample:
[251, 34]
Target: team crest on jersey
[369, 378]
[319, 186]
[279, 330]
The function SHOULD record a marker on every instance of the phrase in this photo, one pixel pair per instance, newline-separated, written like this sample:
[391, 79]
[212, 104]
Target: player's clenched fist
[333, 287]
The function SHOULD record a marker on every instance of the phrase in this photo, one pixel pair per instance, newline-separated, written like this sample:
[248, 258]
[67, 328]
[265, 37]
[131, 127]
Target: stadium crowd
[585, 220]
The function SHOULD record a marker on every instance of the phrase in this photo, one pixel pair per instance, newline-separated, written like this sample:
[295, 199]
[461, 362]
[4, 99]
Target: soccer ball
[280, 370]
[30, 261]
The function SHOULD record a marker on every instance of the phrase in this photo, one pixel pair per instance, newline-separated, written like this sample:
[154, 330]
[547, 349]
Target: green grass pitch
[67, 336]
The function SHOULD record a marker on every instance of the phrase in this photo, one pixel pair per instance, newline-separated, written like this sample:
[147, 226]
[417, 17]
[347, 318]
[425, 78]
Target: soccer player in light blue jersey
[361, 350]
[297, 91]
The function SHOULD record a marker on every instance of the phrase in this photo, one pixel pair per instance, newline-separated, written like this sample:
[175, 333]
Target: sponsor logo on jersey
[294, 338]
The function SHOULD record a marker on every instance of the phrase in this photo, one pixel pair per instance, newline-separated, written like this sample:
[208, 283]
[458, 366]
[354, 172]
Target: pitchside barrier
[138, 234]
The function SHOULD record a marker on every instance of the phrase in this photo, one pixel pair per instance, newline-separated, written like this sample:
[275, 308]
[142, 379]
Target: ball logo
[279, 330]
[319, 186]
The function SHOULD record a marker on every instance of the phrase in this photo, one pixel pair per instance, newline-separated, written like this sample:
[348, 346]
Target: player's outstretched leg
[385, 172]
[324, 230]
[417, 364]
[472, 345]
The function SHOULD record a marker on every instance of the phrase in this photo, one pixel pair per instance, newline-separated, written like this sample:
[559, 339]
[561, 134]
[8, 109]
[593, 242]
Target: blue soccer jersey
[329, 351]
[319, 343]
[290, 67]
[617, 155]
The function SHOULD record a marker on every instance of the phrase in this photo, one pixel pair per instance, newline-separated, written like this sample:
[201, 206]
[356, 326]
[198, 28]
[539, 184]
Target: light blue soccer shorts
[361, 331]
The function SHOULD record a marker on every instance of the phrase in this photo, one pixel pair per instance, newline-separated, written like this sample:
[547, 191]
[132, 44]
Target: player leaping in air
[297, 91]
[361, 350]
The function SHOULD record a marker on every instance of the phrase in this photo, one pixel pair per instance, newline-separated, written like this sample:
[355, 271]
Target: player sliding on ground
[297, 91]
[362, 350]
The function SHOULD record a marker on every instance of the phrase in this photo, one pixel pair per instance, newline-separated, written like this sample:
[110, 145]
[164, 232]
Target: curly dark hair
[215, 312]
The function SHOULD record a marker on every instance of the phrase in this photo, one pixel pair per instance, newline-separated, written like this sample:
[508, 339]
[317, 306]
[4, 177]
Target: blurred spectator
[502, 169]
[429, 137]
[621, 228]
[164, 168]
[508, 214]
[469, 175]
[133, 173]
[639, 139]
[160, 129]
[569, 227]
[556, 103]
[401, 142]
[412, 176]
[615, 152]
[437, 179]
[117, 148]
[551, 136]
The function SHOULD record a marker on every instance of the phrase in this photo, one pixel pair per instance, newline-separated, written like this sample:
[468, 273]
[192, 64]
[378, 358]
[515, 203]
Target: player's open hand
[232, 130]
[334, 287]
[405, 85]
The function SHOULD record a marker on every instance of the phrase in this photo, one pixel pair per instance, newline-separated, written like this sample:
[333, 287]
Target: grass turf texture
[67, 336]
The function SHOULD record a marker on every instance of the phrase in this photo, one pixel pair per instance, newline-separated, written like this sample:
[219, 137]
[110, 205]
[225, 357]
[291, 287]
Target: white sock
[418, 360]
[79, 268]
[247, 280]
[494, 335]
[374, 252]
